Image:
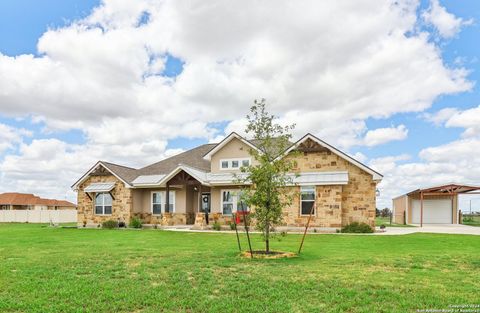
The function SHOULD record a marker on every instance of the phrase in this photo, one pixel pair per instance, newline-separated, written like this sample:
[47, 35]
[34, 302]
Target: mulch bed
[260, 254]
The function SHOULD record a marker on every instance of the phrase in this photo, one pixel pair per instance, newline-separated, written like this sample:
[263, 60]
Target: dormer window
[234, 164]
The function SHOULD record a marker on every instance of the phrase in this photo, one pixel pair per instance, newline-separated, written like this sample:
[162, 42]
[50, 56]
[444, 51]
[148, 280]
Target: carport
[432, 205]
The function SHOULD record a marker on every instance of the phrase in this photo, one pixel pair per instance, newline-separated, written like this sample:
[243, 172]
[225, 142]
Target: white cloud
[101, 75]
[453, 117]
[383, 135]
[447, 24]
[49, 167]
[441, 116]
[452, 162]
[10, 136]
[468, 119]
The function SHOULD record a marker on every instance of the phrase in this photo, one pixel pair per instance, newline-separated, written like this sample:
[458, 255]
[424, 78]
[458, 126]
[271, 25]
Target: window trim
[235, 193]
[151, 202]
[230, 165]
[103, 204]
[163, 201]
[314, 200]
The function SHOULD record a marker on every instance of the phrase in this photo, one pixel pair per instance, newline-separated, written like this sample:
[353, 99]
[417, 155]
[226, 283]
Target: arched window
[103, 203]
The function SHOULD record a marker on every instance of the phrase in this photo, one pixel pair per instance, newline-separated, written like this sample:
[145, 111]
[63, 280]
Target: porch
[186, 204]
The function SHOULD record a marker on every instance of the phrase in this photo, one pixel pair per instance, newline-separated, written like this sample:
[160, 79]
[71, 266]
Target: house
[28, 201]
[431, 205]
[341, 189]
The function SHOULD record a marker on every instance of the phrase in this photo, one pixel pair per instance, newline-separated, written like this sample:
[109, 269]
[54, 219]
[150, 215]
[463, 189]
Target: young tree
[268, 176]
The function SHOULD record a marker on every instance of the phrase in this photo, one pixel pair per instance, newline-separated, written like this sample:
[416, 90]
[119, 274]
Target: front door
[205, 202]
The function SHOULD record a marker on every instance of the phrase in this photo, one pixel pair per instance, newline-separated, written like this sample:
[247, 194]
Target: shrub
[136, 223]
[110, 224]
[356, 227]
[122, 225]
[216, 226]
[232, 226]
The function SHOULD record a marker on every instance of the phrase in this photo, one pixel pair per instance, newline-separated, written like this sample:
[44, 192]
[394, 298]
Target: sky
[393, 83]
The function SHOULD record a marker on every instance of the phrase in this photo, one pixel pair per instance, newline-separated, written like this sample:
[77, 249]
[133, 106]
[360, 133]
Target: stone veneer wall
[121, 206]
[328, 208]
[356, 200]
[165, 219]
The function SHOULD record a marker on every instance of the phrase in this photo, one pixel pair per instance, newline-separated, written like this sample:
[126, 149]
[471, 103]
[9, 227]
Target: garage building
[433, 205]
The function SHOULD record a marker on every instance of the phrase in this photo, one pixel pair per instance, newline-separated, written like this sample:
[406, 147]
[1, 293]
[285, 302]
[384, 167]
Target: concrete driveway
[432, 228]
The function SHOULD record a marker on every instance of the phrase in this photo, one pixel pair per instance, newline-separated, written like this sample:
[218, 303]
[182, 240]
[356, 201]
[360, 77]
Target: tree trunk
[267, 239]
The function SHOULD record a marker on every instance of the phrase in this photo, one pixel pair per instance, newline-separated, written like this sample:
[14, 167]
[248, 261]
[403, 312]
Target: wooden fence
[38, 216]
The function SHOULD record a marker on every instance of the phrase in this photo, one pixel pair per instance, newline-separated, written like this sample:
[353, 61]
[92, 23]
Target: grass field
[386, 221]
[472, 220]
[73, 270]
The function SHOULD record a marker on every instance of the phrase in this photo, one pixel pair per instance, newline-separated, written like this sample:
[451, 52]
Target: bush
[232, 226]
[136, 223]
[357, 228]
[216, 226]
[122, 225]
[110, 224]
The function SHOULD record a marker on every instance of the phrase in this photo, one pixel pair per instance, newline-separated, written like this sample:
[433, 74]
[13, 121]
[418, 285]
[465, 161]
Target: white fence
[38, 216]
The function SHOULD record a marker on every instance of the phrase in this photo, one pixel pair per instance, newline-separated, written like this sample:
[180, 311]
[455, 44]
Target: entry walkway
[427, 228]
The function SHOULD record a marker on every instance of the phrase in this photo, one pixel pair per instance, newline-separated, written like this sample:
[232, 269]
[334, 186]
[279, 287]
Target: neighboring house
[341, 189]
[28, 201]
[431, 205]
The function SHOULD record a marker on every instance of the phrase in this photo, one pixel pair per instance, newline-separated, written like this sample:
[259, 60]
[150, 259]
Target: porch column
[421, 209]
[199, 208]
[167, 200]
[453, 207]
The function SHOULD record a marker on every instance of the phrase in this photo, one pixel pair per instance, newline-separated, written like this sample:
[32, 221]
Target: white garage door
[438, 211]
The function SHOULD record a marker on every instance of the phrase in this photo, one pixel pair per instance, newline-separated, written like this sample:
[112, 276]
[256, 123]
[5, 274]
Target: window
[227, 164]
[159, 202]
[241, 205]
[231, 202]
[307, 200]
[227, 205]
[103, 203]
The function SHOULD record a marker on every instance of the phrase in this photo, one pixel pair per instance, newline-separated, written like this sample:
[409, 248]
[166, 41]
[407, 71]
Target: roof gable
[224, 142]
[309, 142]
[116, 170]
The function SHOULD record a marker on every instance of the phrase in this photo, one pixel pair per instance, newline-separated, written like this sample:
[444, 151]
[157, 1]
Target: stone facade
[328, 208]
[336, 205]
[164, 219]
[121, 205]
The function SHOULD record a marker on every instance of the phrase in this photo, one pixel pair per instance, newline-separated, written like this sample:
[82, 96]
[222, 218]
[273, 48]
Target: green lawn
[75, 270]
[471, 220]
[386, 221]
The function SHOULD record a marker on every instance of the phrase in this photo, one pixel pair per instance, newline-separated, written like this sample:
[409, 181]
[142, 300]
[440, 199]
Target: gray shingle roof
[193, 158]
[126, 173]
[276, 149]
